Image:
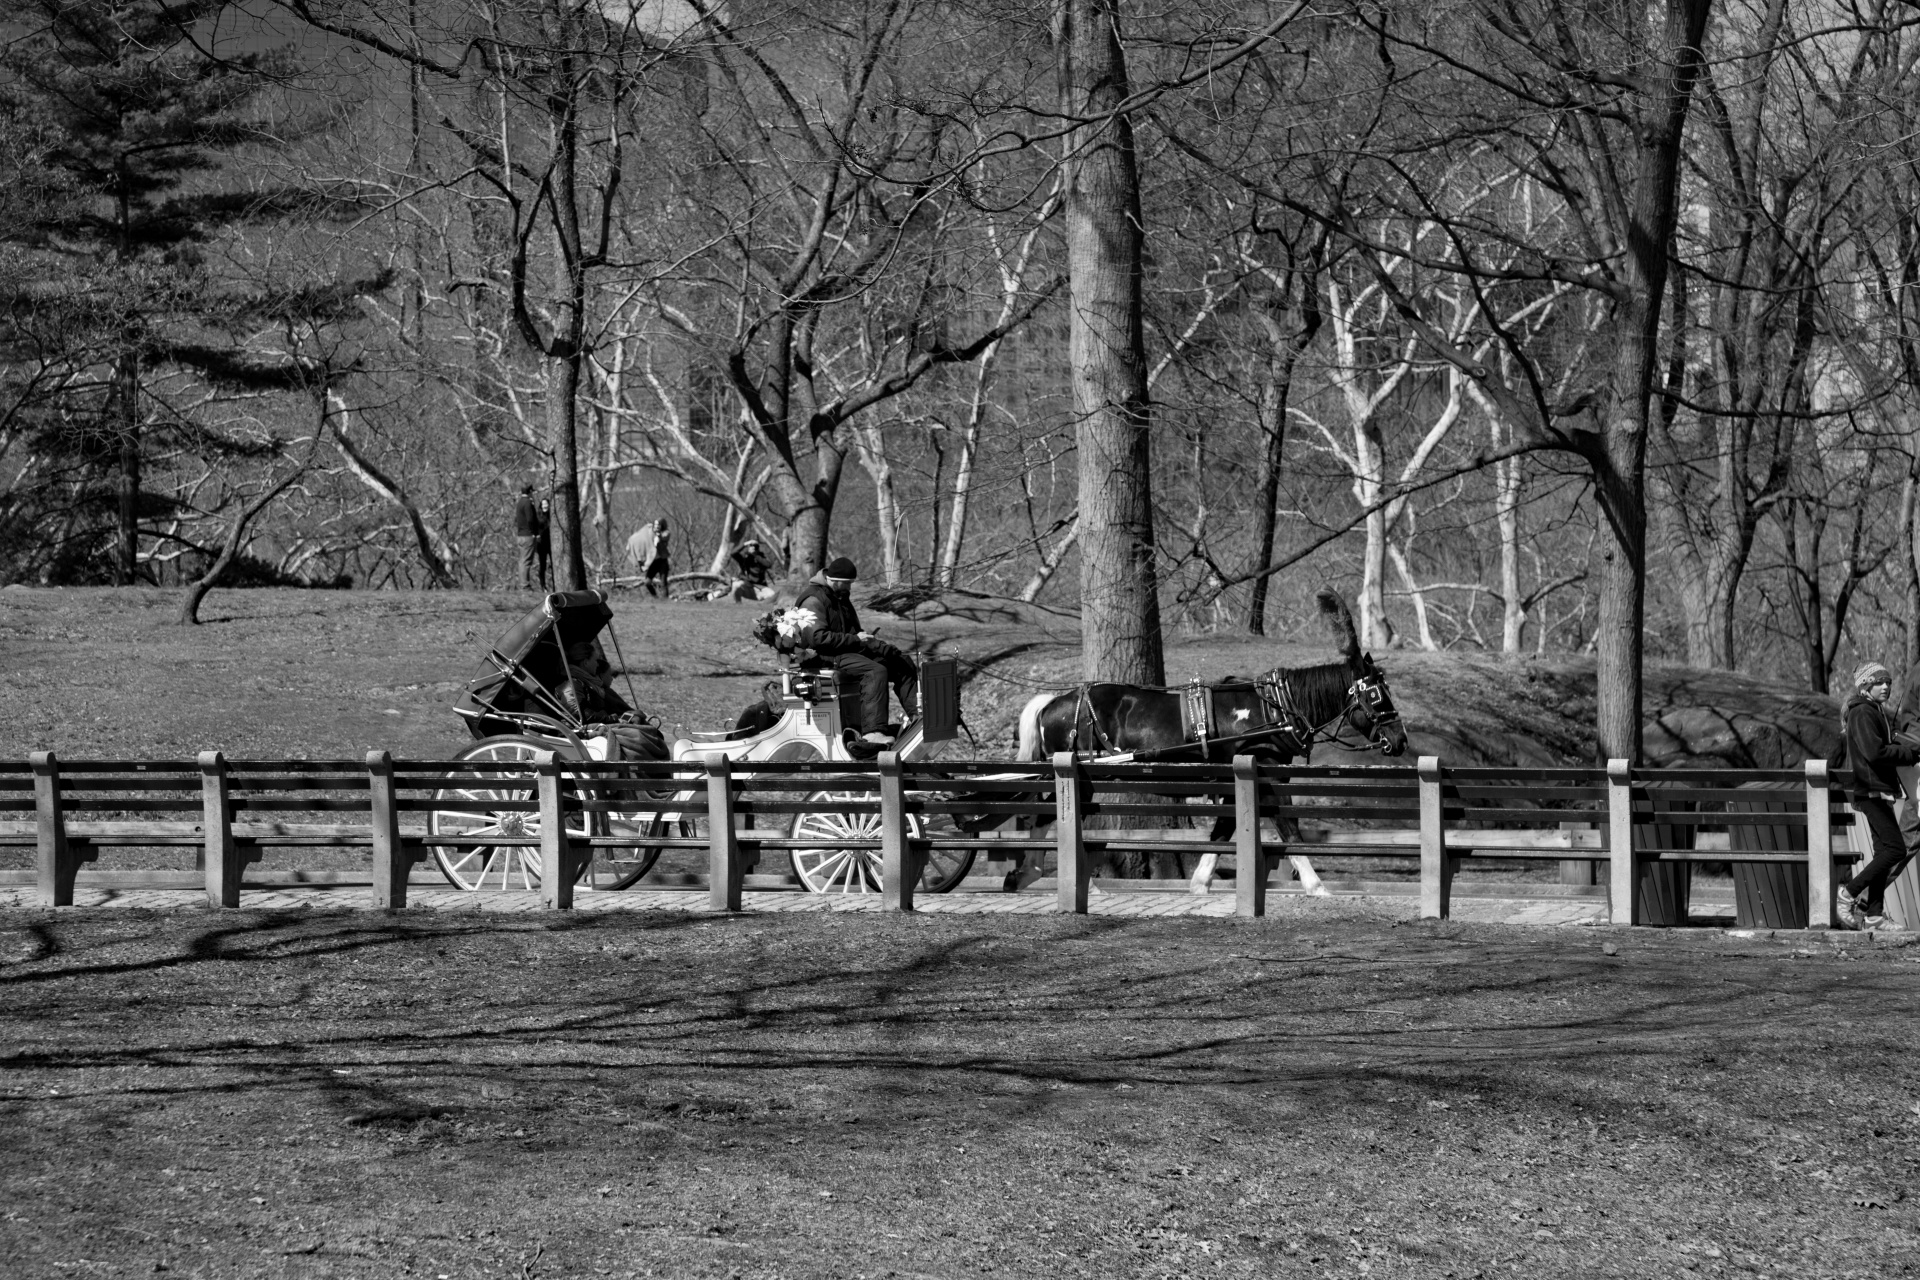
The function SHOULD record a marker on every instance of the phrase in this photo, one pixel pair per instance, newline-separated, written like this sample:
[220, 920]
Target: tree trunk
[127, 411]
[1284, 346]
[562, 419]
[872, 448]
[1910, 639]
[1120, 610]
[1049, 561]
[1506, 514]
[190, 605]
[568, 348]
[1622, 479]
[1375, 631]
[949, 562]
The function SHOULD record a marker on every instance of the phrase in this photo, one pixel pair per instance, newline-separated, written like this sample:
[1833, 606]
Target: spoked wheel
[853, 869]
[468, 866]
[944, 868]
[626, 866]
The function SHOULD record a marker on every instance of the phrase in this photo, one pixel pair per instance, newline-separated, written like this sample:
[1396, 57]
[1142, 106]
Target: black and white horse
[1276, 718]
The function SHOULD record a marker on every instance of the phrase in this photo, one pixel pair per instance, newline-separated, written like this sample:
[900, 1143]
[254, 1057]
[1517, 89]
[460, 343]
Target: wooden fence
[1631, 820]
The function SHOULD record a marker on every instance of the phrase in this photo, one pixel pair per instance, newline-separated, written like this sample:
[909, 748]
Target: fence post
[556, 851]
[223, 865]
[391, 861]
[1819, 846]
[1249, 851]
[57, 865]
[1623, 896]
[723, 842]
[1436, 868]
[898, 869]
[1070, 846]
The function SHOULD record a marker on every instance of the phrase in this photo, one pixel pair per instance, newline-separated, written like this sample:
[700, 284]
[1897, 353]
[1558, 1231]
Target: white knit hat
[1869, 673]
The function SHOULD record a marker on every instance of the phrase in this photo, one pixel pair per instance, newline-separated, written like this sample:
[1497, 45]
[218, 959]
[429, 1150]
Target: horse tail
[1339, 620]
[1030, 747]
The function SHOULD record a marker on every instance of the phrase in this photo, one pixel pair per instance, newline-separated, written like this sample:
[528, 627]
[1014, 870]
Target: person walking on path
[648, 549]
[526, 537]
[860, 655]
[1874, 756]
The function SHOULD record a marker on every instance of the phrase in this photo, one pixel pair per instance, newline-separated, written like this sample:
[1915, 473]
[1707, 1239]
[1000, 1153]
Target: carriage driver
[858, 654]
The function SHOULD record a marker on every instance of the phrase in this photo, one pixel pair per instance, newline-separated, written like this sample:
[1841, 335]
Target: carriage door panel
[940, 700]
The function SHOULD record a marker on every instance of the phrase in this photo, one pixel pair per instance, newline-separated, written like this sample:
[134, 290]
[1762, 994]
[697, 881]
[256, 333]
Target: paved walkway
[1477, 910]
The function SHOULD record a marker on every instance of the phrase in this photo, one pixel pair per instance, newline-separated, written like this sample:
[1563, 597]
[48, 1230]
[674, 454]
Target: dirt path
[661, 1094]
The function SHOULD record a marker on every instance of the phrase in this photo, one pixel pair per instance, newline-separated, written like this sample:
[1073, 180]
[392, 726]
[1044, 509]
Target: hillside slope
[102, 673]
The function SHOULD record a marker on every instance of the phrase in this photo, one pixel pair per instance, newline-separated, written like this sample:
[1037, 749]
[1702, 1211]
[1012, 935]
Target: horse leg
[1309, 879]
[1288, 829]
[1203, 873]
[1025, 872]
[1203, 870]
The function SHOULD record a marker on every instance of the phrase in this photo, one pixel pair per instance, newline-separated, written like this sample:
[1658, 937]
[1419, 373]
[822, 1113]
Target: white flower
[793, 621]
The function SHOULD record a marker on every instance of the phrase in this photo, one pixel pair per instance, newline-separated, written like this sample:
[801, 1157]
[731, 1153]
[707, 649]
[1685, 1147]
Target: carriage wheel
[854, 869]
[468, 866]
[628, 865]
[944, 868]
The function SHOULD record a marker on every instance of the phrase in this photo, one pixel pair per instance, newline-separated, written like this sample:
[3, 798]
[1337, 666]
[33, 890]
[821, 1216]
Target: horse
[1274, 718]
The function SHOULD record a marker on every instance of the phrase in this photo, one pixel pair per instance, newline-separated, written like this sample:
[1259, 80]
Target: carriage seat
[809, 681]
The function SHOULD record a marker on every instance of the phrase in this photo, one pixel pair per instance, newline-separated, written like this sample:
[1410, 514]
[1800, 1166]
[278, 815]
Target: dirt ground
[1321, 1093]
[1324, 1092]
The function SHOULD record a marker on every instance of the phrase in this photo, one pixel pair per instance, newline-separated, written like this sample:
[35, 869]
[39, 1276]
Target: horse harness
[1199, 716]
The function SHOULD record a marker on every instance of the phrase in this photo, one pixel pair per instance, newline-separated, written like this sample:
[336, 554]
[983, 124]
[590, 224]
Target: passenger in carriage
[864, 657]
[763, 714]
[592, 677]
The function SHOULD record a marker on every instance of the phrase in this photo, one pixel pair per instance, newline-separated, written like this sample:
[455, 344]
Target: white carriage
[529, 698]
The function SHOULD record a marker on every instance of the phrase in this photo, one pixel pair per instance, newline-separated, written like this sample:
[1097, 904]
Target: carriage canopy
[524, 675]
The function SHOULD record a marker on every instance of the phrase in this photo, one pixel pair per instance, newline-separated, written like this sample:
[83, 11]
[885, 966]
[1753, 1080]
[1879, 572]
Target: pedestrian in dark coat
[546, 544]
[526, 538]
[1874, 756]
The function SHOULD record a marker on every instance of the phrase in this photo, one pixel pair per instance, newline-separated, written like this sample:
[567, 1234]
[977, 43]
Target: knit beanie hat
[1869, 673]
[842, 568]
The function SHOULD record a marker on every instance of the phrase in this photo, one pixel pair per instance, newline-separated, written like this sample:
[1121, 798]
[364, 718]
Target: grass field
[1322, 1093]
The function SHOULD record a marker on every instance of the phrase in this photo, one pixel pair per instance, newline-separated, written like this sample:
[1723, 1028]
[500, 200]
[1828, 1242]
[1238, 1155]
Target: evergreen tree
[140, 123]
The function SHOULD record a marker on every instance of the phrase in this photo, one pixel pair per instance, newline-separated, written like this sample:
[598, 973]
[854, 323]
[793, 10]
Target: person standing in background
[526, 537]
[546, 544]
[647, 548]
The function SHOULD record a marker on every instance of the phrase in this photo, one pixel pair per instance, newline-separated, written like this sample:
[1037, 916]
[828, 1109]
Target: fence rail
[1632, 820]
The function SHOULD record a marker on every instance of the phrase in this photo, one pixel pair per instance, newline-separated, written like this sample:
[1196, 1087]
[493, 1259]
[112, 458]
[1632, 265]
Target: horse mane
[1320, 692]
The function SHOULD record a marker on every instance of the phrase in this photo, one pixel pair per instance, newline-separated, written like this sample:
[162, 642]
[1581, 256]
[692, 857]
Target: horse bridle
[1368, 690]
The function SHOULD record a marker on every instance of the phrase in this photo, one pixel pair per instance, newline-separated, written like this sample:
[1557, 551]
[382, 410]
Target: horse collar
[1276, 690]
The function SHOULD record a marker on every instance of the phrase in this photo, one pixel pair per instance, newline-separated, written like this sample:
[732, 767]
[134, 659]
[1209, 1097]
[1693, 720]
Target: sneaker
[1844, 906]
[878, 739]
[1875, 922]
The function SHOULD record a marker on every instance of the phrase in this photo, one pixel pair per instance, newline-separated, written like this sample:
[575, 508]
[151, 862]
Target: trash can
[1768, 895]
[1663, 887]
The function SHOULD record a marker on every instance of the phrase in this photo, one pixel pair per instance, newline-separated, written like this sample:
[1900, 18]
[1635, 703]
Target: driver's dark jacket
[838, 631]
